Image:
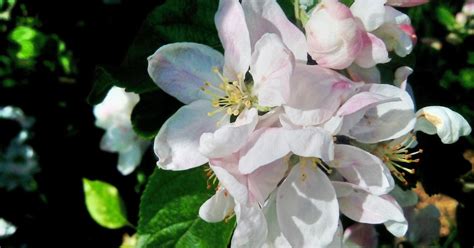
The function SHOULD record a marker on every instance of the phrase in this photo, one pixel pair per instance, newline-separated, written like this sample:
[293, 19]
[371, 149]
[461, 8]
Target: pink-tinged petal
[275, 238]
[401, 77]
[394, 32]
[229, 138]
[177, 142]
[226, 171]
[385, 121]
[116, 108]
[271, 68]
[269, 119]
[374, 52]
[305, 107]
[218, 207]
[268, 145]
[234, 36]
[367, 75]
[251, 230]
[410, 31]
[363, 169]
[181, 69]
[360, 235]
[307, 208]
[333, 35]
[267, 16]
[265, 179]
[448, 124]
[361, 101]
[406, 3]
[395, 39]
[361, 206]
[370, 12]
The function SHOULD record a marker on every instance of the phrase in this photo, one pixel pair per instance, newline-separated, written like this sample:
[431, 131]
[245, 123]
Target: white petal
[116, 108]
[6, 228]
[216, 208]
[177, 142]
[370, 12]
[131, 158]
[180, 69]
[229, 138]
[387, 120]
[448, 124]
[363, 169]
[307, 208]
[117, 138]
[267, 16]
[361, 206]
[251, 230]
[270, 144]
[234, 36]
[308, 108]
[394, 16]
[227, 172]
[361, 101]
[275, 238]
[401, 77]
[271, 67]
[337, 240]
[265, 179]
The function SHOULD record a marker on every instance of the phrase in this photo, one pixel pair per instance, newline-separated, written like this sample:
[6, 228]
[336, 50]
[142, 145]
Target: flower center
[312, 163]
[394, 155]
[230, 97]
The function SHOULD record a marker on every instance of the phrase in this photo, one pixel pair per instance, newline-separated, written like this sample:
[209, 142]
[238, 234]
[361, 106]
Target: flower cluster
[289, 145]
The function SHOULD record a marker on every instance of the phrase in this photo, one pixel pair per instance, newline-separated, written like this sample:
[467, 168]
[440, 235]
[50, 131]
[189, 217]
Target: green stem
[297, 10]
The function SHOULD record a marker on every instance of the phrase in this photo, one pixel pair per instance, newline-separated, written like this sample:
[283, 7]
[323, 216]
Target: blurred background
[50, 57]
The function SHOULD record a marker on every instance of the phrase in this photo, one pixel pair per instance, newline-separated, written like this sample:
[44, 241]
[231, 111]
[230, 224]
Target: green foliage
[104, 204]
[466, 77]
[169, 212]
[445, 17]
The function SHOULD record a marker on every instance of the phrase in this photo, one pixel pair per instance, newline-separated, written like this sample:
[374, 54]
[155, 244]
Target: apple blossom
[113, 115]
[216, 90]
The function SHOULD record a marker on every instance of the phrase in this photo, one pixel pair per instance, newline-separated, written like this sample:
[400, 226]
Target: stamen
[393, 155]
[229, 97]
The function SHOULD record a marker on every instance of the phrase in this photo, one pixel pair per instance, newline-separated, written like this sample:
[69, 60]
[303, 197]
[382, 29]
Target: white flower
[215, 89]
[113, 115]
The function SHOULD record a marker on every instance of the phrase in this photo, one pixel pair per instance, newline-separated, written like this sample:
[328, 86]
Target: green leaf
[169, 212]
[445, 17]
[104, 204]
[102, 84]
